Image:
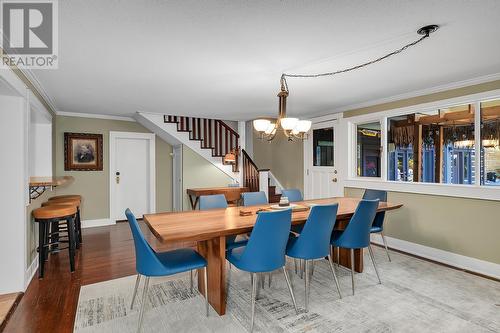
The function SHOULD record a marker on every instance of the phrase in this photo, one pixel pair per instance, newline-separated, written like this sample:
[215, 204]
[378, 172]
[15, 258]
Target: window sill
[449, 190]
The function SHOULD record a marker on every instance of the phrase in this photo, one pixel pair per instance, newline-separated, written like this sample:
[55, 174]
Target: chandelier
[296, 128]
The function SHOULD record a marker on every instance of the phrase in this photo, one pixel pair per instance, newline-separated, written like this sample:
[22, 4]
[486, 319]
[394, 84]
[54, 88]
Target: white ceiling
[223, 59]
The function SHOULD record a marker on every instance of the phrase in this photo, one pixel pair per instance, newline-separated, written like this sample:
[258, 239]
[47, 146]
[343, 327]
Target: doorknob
[334, 180]
[117, 177]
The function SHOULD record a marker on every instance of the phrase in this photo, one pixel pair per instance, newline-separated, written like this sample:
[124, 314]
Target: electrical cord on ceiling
[425, 31]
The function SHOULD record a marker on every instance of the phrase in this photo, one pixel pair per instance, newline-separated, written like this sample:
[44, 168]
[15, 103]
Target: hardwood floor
[8, 303]
[49, 305]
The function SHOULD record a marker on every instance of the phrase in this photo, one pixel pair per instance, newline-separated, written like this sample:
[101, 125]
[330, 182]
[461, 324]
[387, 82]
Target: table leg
[214, 251]
[345, 258]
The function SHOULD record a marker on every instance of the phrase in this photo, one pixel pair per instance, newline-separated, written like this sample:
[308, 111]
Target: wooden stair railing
[251, 178]
[213, 134]
[250, 172]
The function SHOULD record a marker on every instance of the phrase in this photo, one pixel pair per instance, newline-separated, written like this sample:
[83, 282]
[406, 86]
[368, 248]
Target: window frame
[476, 190]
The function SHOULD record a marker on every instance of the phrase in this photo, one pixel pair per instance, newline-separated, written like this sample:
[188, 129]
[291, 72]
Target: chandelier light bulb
[261, 125]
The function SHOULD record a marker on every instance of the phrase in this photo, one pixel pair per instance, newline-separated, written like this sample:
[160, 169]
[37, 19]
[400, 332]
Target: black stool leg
[71, 242]
[54, 235]
[46, 234]
[78, 228]
[41, 247]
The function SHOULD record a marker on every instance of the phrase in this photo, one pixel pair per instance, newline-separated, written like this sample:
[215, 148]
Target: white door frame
[177, 171]
[322, 122]
[152, 168]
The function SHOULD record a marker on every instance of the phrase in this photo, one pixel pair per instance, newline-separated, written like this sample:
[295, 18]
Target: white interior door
[132, 173]
[321, 176]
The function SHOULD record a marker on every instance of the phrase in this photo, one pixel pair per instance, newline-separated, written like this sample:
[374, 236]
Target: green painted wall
[94, 185]
[284, 158]
[198, 172]
[469, 227]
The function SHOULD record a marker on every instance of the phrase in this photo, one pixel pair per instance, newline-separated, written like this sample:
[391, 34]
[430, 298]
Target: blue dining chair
[357, 233]
[378, 222]
[219, 201]
[254, 198]
[314, 241]
[150, 263]
[293, 195]
[265, 251]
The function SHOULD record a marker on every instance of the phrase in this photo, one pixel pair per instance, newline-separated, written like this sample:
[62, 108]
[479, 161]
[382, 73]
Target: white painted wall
[40, 159]
[14, 120]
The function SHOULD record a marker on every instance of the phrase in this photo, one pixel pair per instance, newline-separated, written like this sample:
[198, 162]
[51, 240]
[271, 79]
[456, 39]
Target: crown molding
[94, 116]
[422, 92]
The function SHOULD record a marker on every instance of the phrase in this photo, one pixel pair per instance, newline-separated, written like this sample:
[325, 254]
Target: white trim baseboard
[97, 223]
[30, 272]
[449, 258]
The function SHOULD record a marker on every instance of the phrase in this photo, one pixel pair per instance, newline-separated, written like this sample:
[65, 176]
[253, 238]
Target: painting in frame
[82, 152]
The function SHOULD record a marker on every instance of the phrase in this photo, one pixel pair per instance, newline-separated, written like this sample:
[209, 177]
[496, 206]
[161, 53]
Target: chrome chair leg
[206, 288]
[374, 264]
[290, 289]
[295, 262]
[385, 244]
[137, 281]
[191, 280]
[338, 257]
[334, 275]
[312, 267]
[263, 280]
[254, 294]
[352, 269]
[143, 304]
[306, 282]
[301, 267]
[270, 277]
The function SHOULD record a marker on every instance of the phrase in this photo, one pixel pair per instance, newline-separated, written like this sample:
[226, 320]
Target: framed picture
[82, 152]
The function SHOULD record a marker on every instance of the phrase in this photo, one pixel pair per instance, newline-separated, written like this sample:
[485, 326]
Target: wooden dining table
[209, 229]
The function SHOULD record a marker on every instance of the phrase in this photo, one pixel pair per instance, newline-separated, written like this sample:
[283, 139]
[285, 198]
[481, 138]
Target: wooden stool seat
[54, 212]
[73, 201]
[68, 196]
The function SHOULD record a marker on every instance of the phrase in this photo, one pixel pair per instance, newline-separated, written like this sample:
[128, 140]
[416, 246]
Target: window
[368, 145]
[490, 137]
[432, 147]
[323, 147]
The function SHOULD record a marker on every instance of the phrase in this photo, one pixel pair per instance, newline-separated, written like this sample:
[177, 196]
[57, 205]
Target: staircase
[252, 176]
[213, 134]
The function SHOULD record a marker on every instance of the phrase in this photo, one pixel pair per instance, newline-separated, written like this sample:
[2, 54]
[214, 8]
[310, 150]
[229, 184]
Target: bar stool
[76, 199]
[51, 214]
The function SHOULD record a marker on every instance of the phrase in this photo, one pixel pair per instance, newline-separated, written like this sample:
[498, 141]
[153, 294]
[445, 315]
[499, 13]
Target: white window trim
[475, 191]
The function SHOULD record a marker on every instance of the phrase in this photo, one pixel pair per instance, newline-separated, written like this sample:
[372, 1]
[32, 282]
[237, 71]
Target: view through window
[368, 145]
[432, 147]
[490, 137]
[323, 147]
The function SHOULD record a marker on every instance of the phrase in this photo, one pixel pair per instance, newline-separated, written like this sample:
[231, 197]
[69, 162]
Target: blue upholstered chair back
[146, 262]
[212, 201]
[378, 222]
[293, 194]
[357, 233]
[254, 198]
[265, 250]
[314, 240]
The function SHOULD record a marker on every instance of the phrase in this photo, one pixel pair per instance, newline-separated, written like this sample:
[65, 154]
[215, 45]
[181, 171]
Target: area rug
[415, 296]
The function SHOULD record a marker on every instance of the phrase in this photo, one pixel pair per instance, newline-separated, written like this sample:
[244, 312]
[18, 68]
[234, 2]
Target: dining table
[209, 229]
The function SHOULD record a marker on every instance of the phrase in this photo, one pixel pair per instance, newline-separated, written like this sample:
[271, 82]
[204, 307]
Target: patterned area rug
[415, 296]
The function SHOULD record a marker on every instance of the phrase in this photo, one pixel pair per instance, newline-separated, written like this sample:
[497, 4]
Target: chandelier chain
[345, 70]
